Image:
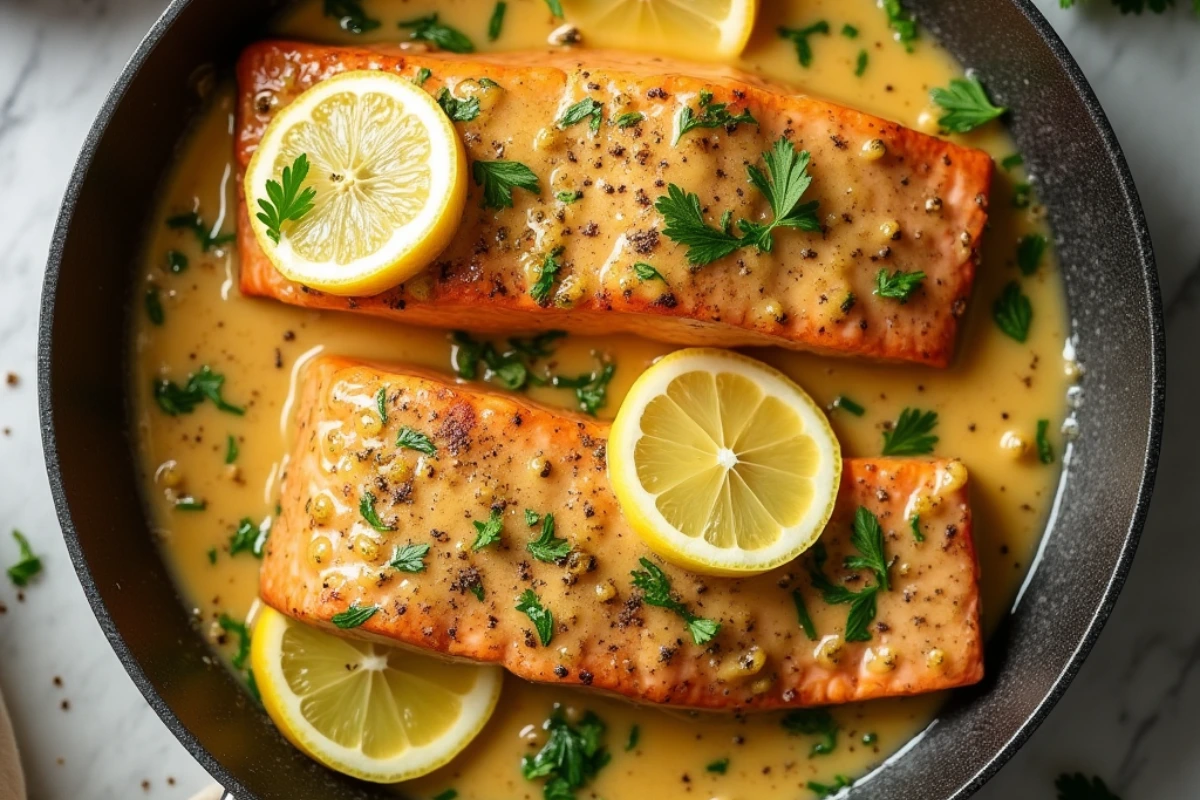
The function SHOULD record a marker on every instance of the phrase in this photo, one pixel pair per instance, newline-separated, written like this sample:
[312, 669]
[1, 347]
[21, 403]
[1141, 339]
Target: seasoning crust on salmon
[889, 200]
[354, 505]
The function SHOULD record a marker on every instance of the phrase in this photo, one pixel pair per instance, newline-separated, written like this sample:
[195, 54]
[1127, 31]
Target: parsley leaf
[571, 756]
[512, 368]
[458, 110]
[848, 405]
[591, 390]
[1030, 250]
[860, 63]
[1012, 161]
[231, 449]
[354, 616]
[567, 198]
[1078, 787]
[862, 613]
[409, 557]
[915, 524]
[1022, 195]
[547, 275]
[350, 16]
[238, 629]
[449, 794]
[412, 439]
[1044, 448]
[499, 178]
[488, 532]
[175, 400]
[381, 404]
[190, 504]
[27, 566]
[555, 7]
[867, 538]
[177, 262]
[685, 224]
[806, 622]
[647, 272]
[423, 74]
[635, 735]
[903, 23]
[710, 115]
[912, 434]
[539, 615]
[195, 223]
[1013, 312]
[496, 23]
[899, 285]
[718, 767]
[248, 537]
[366, 508]
[829, 789]
[656, 591]
[429, 29]
[849, 31]
[532, 518]
[153, 305]
[547, 547]
[287, 202]
[799, 37]
[629, 119]
[584, 109]
[966, 105]
[813, 722]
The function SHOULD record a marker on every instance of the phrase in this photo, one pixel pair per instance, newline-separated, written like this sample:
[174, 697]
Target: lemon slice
[390, 176]
[707, 30]
[722, 464]
[378, 713]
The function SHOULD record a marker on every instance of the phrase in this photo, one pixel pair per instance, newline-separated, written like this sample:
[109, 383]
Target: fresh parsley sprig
[409, 557]
[862, 602]
[903, 23]
[350, 16]
[799, 37]
[709, 115]
[366, 509]
[543, 287]
[289, 201]
[354, 616]
[499, 178]
[912, 435]
[543, 620]
[591, 389]
[1030, 250]
[547, 547]
[429, 29]
[175, 400]
[899, 285]
[413, 439]
[239, 630]
[27, 566]
[588, 109]
[512, 368]
[966, 104]
[458, 110]
[496, 22]
[489, 531]
[656, 591]
[1013, 312]
[571, 756]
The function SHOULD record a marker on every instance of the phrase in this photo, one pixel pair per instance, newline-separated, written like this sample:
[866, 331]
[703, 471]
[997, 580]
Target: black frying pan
[1114, 302]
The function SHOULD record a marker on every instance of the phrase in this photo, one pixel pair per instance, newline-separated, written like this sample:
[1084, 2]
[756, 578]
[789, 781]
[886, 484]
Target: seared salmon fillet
[890, 199]
[497, 457]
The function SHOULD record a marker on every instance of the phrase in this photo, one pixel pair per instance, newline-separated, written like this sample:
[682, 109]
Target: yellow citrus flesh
[390, 176]
[722, 464]
[377, 713]
[703, 30]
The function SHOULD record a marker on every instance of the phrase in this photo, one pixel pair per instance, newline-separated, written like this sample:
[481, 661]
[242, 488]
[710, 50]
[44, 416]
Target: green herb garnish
[212, 555]
[912, 434]
[496, 23]
[571, 757]
[629, 119]
[449, 794]
[903, 23]
[354, 616]
[555, 7]
[350, 16]
[591, 389]
[860, 63]
[966, 105]
[869, 738]
[647, 272]
[915, 524]
[177, 262]
[231, 449]
[429, 29]
[1022, 195]
[1078, 787]
[547, 547]
[287, 202]
[205, 384]
[587, 108]
[195, 223]
[899, 285]
[28, 565]
[488, 532]
[849, 31]
[1012, 161]
[248, 538]
[409, 557]
[1044, 448]
[813, 722]
[656, 591]
[423, 74]
[381, 404]
[413, 439]
[458, 110]
[829, 789]
[1013, 312]
[806, 623]
[539, 615]
[543, 287]
[799, 37]
[190, 504]
[238, 629]
[499, 178]
[862, 602]
[567, 198]
[366, 508]
[1030, 250]
[635, 735]
[512, 368]
[153, 305]
[718, 767]
[867, 538]
[710, 115]
[848, 405]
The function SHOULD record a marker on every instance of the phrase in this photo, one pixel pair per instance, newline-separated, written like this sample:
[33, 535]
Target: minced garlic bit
[319, 550]
[889, 230]
[880, 660]
[1013, 444]
[935, 658]
[874, 149]
[828, 651]
[321, 508]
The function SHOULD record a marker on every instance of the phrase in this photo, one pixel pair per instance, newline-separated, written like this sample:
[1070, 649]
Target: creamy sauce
[995, 389]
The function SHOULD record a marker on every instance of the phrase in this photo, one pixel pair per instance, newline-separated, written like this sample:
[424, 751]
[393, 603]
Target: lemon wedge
[705, 30]
[390, 179]
[722, 464]
[378, 713]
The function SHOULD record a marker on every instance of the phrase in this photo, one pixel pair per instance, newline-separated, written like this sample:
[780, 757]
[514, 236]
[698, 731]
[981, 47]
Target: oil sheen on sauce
[989, 403]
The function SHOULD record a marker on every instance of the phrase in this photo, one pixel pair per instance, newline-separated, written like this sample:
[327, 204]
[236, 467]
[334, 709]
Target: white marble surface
[1128, 717]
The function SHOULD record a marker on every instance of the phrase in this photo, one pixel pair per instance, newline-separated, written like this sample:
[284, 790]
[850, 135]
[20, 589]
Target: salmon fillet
[921, 207]
[501, 454]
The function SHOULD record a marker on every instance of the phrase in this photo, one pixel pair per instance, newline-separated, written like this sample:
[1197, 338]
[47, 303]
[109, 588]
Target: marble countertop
[87, 733]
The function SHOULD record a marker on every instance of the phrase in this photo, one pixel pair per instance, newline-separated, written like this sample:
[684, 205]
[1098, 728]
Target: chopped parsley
[571, 757]
[195, 223]
[1078, 787]
[1030, 250]
[862, 602]
[647, 272]
[846, 404]
[1012, 161]
[190, 504]
[591, 389]
[381, 404]
[413, 439]
[212, 555]
[849, 31]
[813, 722]
[532, 518]
[656, 591]
[543, 287]
[915, 524]
[238, 629]
[966, 105]
[458, 110]
[635, 735]
[496, 22]
[784, 185]
[1044, 448]
[799, 37]
[488, 532]
[449, 794]
[366, 508]
[153, 305]
[870, 738]
[231, 449]
[806, 623]
[867, 538]
[177, 262]
[287, 202]
[829, 789]
[477, 590]
[28, 565]
[350, 16]
[248, 538]
[587, 108]
[547, 547]
[903, 23]
[1022, 195]
[899, 285]
[710, 115]
[860, 63]
[429, 29]
[539, 615]
[423, 74]
[555, 7]
[912, 435]
[409, 557]
[628, 119]
[718, 767]
[567, 198]
[175, 400]
[354, 616]
[512, 367]
[1013, 312]
[499, 178]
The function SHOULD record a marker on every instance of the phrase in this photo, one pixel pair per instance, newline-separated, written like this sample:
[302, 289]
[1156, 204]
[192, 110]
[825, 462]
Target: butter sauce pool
[989, 404]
